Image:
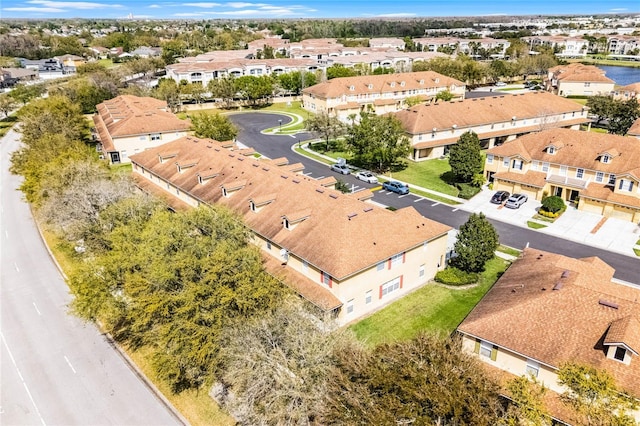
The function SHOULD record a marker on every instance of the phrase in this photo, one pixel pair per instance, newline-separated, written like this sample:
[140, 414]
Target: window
[224, 192]
[563, 170]
[305, 266]
[535, 165]
[350, 307]
[368, 297]
[489, 158]
[579, 173]
[123, 154]
[143, 138]
[532, 368]
[485, 349]
[285, 222]
[626, 185]
[268, 245]
[380, 266]
[545, 167]
[155, 137]
[424, 246]
[612, 179]
[326, 279]
[505, 162]
[551, 150]
[599, 177]
[605, 158]
[252, 205]
[620, 353]
[517, 164]
[421, 271]
[390, 287]
[397, 259]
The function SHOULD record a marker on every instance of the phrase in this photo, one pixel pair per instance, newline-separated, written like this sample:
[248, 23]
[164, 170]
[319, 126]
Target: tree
[427, 380]
[224, 89]
[336, 71]
[378, 142]
[623, 115]
[23, 93]
[476, 243]
[277, 367]
[601, 107]
[465, 157]
[168, 91]
[526, 406]
[294, 82]
[214, 126]
[85, 93]
[53, 115]
[445, 95]
[7, 104]
[326, 126]
[593, 394]
[254, 90]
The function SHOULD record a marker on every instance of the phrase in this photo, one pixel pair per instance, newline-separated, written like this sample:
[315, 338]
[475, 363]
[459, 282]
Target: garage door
[591, 206]
[529, 191]
[623, 213]
[503, 186]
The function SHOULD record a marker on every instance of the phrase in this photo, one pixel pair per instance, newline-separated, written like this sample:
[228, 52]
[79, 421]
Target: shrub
[455, 276]
[553, 204]
[467, 191]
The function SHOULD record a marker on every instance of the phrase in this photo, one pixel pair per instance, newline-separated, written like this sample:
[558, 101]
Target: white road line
[402, 196]
[455, 210]
[434, 204]
[70, 366]
[37, 310]
[13, 361]
[307, 174]
[16, 265]
[321, 177]
[418, 199]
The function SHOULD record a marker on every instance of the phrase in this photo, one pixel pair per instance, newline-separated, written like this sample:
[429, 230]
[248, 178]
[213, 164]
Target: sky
[271, 9]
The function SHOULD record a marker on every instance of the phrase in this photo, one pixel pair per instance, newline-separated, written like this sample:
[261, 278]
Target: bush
[553, 204]
[455, 276]
[467, 191]
[548, 214]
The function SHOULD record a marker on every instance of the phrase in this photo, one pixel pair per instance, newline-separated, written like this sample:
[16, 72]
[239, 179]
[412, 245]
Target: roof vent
[334, 196]
[367, 209]
[352, 215]
[320, 190]
[295, 180]
[608, 304]
[558, 285]
[565, 274]
[284, 176]
[256, 165]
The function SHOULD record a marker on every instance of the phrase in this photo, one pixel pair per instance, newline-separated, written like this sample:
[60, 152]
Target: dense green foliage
[325, 126]
[455, 276]
[293, 82]
[378, 142]
[215, 126]
[476, 243]
[465, 158]
[618, 114]
[553, 204]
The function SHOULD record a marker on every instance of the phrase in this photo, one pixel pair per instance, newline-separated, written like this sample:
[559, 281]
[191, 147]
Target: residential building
[627, 92]
[147, 52]
[129, 124]
[70, 63]
[547, 310]
[12, 76]
[598, 172]
[577, 79]
[433, 127]
[387, 43]
[345, 256]
[379, 94]
[565, 46]
[484, 48]
[634, 130]
[623, 45]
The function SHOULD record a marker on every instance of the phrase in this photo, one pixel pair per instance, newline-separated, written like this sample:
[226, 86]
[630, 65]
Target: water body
[622, 75]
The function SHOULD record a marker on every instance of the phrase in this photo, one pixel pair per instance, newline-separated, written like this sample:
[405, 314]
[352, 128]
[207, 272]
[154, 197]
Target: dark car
[516, 200]
[500, 197]
[397, 187]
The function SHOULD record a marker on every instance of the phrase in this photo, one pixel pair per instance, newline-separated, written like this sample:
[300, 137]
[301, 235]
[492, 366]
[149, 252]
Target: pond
[622, 75]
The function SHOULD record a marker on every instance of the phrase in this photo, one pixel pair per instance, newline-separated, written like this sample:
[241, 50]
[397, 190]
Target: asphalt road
[274, 146]
[55, 369]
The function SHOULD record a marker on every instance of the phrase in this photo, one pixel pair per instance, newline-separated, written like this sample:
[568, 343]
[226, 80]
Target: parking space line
[455, 210]
[418, 199]
[435, 204]
[402, 196]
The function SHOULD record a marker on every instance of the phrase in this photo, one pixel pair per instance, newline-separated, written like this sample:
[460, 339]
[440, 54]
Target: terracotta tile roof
[309, 290]
[555, 309]
[576, 72]
[150, 188]
[341, 235]
[128, 115]
[386, 83]
[581, 149]
[472, 113]
[536, 179]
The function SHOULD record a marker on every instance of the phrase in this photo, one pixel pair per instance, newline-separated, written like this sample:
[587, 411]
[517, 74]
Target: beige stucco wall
[568, 88]
[133, 144]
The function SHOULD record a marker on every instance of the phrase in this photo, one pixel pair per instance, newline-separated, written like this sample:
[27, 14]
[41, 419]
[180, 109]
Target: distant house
[600, 172]
[380, 94]
[577, 79]
[433, 127]
[345, 256]
[70, 63]
[387, 43]
[634, 130]
[627, 92]
[547, 310]
[147, 52]
[99, 51]
[128, 124]
[12, 76]
[565, 46]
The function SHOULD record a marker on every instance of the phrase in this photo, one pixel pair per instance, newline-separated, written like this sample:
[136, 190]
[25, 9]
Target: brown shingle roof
[536, 179]
[555, 309]
[128, 115]
[580, 149]
[576, 72]
[386, 83]
[469, 113]
[330, 238]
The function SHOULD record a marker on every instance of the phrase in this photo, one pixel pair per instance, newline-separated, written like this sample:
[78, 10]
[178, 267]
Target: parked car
[397, 187]
[366, 176]
[516, 200]
[501, 84]
[340, 168]
[499, 197]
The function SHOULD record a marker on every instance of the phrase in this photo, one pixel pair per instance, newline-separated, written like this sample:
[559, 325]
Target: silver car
[516, 200]
[366, 176]
[341, 168]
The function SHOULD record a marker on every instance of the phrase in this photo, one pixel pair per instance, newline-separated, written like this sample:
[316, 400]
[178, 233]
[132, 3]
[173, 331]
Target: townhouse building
[128, 124]
[634, 130]
[623, 45]
[433, 127]
[600, 173]
[379, 94]
[475, 47]
[547, 310]
[576, 79]
[387, 43]
[628, 92]
[565, 46]
[345, 256]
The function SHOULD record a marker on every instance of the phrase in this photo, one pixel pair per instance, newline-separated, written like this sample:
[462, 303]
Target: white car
[366, 177]
[501, 84]
[341, 168]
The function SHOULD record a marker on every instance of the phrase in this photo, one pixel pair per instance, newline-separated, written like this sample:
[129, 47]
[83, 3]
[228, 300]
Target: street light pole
[280, 123]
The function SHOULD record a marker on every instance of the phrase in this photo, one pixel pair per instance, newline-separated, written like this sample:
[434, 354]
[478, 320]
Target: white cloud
[33, 9]
[155, 6]
[188, 15]
[202, 5]
[620, 9]
[396, 15]
[240, 5]
[73, 4]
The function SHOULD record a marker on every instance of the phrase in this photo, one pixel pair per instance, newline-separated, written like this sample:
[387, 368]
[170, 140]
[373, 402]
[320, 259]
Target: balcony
[567, 181]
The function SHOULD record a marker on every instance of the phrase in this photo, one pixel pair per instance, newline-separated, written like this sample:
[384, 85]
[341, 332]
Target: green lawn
[431, 308]
[535, 225]
[427, 174]
[6, 124]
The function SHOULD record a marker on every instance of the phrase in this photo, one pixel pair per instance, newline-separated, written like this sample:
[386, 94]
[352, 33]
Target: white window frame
[368, 297]
[624, 354]
[517, 164]
[396, 259]
[626, 185]
[545, 167]
[506, 161]
[532, 368]
[535, 165]
[579, 173]
[485, 349]
[563, 170]
[612, 179]
[390, 286]
[380, 266]
[349, 307]
[421, 270]
[599, 177]
[326, 279]
[155, 137]
[489, 158]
